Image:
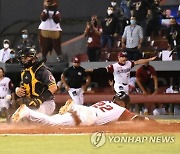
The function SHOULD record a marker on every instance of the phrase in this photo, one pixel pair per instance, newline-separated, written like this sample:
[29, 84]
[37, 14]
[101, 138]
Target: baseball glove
[32, 103]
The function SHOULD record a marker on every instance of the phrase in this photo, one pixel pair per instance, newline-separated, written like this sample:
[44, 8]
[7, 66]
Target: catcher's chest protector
[33, 86]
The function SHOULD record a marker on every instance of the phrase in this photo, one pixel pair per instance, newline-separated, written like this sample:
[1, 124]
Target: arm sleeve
[138, 73]
[132, 64]
[125, 33]
[65, 73]
[110, 69]
[85, 73]
[47, 78]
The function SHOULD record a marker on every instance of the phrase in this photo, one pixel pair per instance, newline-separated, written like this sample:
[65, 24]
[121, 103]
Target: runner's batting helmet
[122, 96]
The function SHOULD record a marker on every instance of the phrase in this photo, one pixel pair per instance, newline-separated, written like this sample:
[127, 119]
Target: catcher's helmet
[122, 96]
[27, 52]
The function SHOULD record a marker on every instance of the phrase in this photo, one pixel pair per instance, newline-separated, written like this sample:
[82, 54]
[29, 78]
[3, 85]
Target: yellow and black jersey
[36, 79]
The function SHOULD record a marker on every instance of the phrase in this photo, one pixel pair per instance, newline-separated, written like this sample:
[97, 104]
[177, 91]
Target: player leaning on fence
[121, 71]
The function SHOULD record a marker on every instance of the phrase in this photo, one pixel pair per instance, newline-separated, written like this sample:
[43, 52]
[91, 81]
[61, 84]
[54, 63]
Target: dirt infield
[118, 127]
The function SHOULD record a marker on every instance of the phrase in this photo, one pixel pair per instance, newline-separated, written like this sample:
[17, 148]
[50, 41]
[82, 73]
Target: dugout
[165, 71]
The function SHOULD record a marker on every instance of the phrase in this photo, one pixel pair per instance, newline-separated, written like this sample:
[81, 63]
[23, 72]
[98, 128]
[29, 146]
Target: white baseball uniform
[77, 94]
[47, 107]
[107, 111]
[4, 55]
[121, 73]
[5, 84]
[98, 114]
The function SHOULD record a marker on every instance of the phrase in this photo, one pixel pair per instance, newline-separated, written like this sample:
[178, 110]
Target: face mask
[133, 22]
[12, 55]
[27, 64]
[109, 12]
[6, 45]
[113, 3]
[24, 36]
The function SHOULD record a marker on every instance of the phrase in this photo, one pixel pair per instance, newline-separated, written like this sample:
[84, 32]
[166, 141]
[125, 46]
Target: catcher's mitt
[31, 103]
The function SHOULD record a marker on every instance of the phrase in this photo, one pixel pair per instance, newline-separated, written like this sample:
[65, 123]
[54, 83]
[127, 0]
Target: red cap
[122, 54]
[76, 60]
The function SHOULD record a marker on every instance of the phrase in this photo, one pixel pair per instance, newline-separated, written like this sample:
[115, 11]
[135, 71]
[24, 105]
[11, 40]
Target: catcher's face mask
[28, 57]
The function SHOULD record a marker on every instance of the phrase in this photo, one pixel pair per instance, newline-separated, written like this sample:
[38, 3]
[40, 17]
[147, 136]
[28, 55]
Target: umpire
[76, 81]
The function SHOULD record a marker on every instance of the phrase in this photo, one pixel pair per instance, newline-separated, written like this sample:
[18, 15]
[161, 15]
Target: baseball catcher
[37, 85]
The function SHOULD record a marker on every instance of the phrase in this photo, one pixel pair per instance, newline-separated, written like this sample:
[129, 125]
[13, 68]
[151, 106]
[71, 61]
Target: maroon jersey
[145, 73]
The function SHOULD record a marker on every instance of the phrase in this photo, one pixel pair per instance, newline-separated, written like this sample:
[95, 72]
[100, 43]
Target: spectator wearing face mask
[132, 39]
[125, 6]
[109, 29]
[118, 12]
[25, 41]
[141, 10]
[93, 33]
[154, 24]
[5, 52]
[12, 58]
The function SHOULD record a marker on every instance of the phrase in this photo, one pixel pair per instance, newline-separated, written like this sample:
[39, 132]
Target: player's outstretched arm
[143, 61]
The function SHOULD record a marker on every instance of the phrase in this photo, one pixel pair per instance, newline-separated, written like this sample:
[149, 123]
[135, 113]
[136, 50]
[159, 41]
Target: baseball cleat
[20, 113]
[67, 107]
[140, 118]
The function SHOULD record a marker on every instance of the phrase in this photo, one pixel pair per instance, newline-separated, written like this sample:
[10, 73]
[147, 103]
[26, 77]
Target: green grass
[80, 144]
